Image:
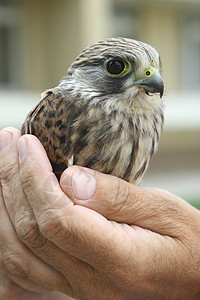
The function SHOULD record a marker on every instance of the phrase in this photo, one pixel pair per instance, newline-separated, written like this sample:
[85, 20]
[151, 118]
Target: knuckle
[8, 170]
[27, 229]
[120, 196]
[28, 232]
[16, 264]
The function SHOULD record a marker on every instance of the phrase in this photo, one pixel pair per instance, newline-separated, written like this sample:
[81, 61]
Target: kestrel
[106, 113]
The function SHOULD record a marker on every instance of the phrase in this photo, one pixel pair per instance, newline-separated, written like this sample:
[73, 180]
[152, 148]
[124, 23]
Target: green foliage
[196, 204]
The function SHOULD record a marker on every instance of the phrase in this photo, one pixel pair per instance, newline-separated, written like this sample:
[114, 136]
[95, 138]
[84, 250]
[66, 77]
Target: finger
[15, 200]
[20, 262]
[117, 200]
[20, 212]
[13, 194]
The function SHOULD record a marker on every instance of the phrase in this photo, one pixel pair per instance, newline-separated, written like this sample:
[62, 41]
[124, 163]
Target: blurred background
[40, 39]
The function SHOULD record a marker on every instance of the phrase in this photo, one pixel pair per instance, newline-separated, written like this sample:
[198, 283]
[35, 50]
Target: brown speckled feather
[48, 121]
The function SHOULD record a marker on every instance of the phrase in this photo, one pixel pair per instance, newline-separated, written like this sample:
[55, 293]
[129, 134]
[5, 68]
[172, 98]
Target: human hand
[106, 240]
[14, 255]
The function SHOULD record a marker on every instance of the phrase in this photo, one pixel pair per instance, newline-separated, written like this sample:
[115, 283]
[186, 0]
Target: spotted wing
[50, 121]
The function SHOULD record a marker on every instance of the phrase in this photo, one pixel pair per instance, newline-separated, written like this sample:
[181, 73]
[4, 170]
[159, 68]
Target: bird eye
[115, 66]
[148, 73]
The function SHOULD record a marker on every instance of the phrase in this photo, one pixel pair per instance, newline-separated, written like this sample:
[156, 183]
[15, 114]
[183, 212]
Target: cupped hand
[93, 236]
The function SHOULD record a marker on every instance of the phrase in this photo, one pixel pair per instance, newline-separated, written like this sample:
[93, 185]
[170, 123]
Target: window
[4, 76]
[9, 44]
[190, 60]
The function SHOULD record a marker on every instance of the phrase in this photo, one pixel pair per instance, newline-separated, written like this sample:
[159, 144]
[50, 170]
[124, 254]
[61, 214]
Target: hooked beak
[153, 84]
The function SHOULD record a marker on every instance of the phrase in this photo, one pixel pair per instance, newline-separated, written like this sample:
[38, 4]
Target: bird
[107, 113]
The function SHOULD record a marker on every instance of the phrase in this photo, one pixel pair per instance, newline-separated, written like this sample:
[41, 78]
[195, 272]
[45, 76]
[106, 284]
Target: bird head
[121, 67]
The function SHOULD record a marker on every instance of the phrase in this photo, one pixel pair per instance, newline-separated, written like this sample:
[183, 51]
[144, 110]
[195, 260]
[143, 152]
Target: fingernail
[83, 184]
[22, 149]
[5, 140]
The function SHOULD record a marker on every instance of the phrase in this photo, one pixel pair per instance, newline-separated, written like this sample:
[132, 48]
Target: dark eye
[115, 67]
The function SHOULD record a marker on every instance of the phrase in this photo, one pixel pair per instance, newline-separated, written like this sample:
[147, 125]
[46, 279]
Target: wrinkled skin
[91, 236]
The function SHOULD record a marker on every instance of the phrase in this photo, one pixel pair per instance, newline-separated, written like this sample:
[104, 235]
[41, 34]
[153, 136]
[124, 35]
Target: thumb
[105, 194]
[120, 201]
